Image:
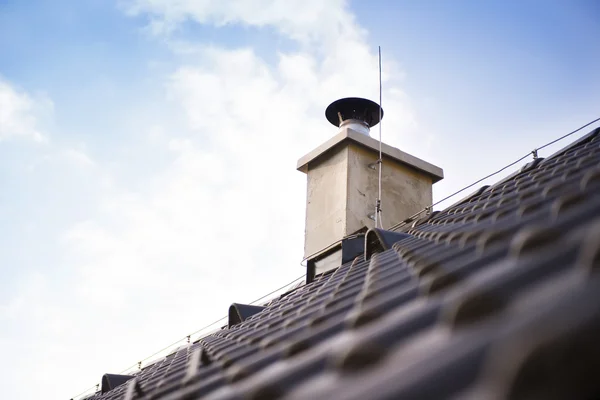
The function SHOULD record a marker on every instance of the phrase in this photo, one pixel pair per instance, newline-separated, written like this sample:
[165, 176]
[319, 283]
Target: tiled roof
[495, 297]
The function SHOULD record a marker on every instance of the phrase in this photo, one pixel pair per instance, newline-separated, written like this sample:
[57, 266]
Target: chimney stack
[342, 180]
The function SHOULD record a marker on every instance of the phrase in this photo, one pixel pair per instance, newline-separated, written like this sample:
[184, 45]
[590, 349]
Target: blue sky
[148, 148]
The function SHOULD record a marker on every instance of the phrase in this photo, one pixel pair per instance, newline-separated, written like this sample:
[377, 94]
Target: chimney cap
[353, 108]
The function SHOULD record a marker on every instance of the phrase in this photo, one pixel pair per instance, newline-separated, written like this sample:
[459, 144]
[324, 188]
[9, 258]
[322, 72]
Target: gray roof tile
[496, 296]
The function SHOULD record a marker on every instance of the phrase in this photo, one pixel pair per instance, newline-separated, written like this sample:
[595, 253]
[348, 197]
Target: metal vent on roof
[354, 112]
[378, 240]
[239, 312]
[111, 381]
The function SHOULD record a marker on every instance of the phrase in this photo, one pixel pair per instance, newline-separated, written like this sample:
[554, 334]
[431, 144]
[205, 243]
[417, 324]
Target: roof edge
[584, 138]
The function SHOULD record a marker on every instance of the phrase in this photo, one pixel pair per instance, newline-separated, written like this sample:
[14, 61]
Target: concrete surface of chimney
[343, 184]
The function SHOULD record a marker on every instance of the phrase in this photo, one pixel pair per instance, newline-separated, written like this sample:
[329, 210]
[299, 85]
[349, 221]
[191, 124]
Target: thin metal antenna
[380, 160]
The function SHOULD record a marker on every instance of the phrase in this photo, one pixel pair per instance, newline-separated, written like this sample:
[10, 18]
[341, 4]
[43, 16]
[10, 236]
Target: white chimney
[342, 178]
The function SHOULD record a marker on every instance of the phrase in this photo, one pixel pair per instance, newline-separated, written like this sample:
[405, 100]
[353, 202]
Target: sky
[148, 148]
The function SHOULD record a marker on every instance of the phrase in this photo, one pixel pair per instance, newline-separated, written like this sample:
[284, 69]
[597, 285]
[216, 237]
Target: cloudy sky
[148, 148]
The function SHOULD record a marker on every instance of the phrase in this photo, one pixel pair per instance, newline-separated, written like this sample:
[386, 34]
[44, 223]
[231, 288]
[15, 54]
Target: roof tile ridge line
[429, 209]
[282, 295]
[336, 273]
[342, 279]
[350, 269]
[466, 199]
[137, 374]
[571, 145]
[539, 161]
[158, 384]
[133, 389]
[345, 276]
[207, 350]
[373, 263]
[594, 132]
[525, 169]
[192, 365]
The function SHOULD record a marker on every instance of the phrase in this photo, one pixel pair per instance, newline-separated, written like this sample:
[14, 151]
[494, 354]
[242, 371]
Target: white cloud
[307, 21]
[335, 60]
[223, 219]
[19, 113]
[68, 157]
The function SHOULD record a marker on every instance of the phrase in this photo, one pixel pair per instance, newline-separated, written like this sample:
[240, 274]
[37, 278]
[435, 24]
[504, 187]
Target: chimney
[342, 185]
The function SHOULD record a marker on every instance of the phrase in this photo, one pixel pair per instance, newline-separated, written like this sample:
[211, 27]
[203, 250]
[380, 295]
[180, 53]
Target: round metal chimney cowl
[355, 113]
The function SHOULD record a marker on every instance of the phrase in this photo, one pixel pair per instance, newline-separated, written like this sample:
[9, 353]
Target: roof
[497, 296]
